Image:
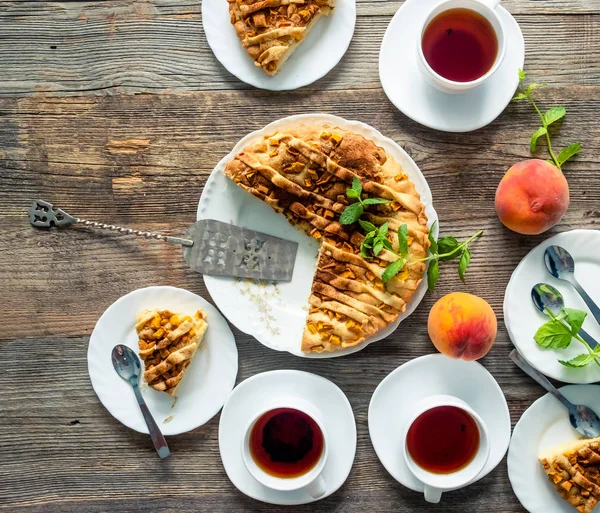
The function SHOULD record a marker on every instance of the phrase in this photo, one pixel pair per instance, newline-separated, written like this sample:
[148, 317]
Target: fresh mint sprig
[559, 332]
[352, 212]
[548, 118]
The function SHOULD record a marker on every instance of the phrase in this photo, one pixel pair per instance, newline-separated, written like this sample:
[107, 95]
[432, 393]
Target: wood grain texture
[70, 133]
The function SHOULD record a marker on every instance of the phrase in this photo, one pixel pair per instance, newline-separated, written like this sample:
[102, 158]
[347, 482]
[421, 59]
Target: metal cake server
[127, 365]
[209, 246]
[582, 418]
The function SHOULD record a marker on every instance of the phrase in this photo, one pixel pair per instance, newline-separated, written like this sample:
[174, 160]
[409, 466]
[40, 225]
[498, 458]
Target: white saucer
[407, 89]
[522, 319]
[207, 382]
[430, 375]
[544, 425]
[275, 313]
[316, 56]
[256, 393]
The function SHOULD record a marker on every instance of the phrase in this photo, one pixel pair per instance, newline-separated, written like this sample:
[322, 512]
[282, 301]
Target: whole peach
[532, 197]
[462, 325]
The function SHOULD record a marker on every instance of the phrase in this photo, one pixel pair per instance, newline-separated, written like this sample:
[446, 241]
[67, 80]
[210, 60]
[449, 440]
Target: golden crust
[271, 30]
[575, 473]
[167, 344]
[303, 173]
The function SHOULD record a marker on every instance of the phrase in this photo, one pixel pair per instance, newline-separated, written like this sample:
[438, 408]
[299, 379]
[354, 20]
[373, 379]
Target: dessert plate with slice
[393, 399]
[290, 180]
[522, 319]
[279, 45]
[407, 88]
[189, 353]
[258, 393]
[550, 467]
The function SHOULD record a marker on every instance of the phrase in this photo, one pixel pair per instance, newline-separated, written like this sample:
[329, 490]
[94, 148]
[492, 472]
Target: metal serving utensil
[209, 246]
[561, 265]
[546, 297]
[127, 365]
[582, 418]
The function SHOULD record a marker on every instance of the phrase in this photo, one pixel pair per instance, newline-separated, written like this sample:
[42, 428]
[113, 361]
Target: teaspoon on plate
[547, 298]
[582, 418]
[561, 265]
[127, 365]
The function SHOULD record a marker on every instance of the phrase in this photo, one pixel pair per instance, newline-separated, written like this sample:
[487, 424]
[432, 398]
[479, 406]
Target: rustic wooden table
[118, 111]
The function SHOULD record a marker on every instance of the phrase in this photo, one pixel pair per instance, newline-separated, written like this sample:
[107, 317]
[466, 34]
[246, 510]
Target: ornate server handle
[43, 215]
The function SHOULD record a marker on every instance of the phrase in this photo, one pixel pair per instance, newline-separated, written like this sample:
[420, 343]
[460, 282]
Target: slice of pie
[168, 342]
[271, 30]
[303, 173]
[574, 469]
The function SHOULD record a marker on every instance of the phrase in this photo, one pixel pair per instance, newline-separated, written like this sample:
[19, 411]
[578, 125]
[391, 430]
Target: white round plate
[207, 382]
[544, 424]
[429, 375]
[408, 90]
[316, 56]
[255, 394]
[522, 319]
[275, 314]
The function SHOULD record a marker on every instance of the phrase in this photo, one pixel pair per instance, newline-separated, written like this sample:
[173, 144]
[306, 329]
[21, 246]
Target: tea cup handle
[432, 494]
[492, 4]
[317, 488]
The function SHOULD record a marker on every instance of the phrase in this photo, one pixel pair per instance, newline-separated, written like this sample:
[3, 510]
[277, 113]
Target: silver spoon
[127, 365]
[561, 265]
[546, 298]
[582, 418]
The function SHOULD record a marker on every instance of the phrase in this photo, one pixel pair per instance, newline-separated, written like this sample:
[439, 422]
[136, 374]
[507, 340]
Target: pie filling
[303, 173]
[167, 344]
[271, 30]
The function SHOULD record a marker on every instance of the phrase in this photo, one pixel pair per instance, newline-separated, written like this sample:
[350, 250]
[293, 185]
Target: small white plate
[522, 319]
[256, 393]
[316, 56]
[420, 378]
[207, 382]
[408, 90]
[545, 424]
[275, 313]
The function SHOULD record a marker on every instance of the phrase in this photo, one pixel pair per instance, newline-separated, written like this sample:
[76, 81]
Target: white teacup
[312, 480]
[436, 484]
[487, 8]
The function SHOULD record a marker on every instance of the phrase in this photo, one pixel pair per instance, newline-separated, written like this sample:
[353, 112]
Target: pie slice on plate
[574, 470]
[304, 173]
[167, 344]
[271, 30]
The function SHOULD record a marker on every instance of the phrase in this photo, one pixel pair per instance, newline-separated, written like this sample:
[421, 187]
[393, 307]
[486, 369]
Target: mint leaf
[433, 274]
[574, 318]
[519, 96]
[447, 245]
[382, 230]
[356, 186]
[367, 227]
[568, 152]
[377, 248]
[403, 240]
[352, 213]
[553, 335]
[376, 201]
[532, 87]
[351, 193]
[387, 244]
[433, 245]
[521, 75]
[536, 135]
[553, 115]
[364, 250]
[392, 270]
[580, 360]
[465, 260]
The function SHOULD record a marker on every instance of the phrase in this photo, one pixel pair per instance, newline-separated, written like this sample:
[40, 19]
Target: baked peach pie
[271, 30]
[304, 173]
[574, 470]
[167, 344]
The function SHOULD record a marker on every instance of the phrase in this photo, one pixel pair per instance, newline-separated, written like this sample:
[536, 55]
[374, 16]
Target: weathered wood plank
[114, 47]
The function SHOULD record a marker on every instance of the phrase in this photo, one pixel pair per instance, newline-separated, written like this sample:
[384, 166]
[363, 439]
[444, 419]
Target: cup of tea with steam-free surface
[462, 44]
[285, 447]
[446, 444]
